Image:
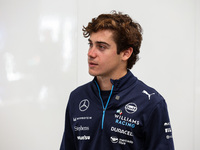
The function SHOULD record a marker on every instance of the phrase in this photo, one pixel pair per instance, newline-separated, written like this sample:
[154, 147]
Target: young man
[115, 111]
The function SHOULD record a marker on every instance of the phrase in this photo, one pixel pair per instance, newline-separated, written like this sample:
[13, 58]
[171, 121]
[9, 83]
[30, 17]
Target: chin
[92, 73]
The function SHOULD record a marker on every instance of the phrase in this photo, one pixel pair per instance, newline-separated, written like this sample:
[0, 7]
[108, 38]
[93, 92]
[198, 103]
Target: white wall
[43, 56]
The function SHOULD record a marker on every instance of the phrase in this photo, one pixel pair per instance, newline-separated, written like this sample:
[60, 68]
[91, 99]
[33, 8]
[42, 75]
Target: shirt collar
[124, 82]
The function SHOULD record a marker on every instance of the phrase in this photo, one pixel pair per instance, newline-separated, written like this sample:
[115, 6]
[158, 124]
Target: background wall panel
[38, 69]
[197, 78]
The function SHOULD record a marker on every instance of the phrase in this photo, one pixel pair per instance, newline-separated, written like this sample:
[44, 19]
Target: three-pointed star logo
[84, 105]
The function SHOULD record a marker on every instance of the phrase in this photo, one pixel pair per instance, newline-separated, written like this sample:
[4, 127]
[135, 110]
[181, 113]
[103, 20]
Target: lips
[92, 64]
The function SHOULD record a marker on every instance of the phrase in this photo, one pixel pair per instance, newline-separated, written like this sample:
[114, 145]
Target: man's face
[103, 59]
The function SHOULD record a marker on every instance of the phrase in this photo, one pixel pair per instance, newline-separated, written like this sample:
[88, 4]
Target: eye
[101, 47]
[90, 45]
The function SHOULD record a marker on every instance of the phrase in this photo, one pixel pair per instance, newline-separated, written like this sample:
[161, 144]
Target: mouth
[92, 64]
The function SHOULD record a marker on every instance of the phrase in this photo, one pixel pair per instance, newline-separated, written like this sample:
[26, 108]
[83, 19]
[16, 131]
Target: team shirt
[132, 116]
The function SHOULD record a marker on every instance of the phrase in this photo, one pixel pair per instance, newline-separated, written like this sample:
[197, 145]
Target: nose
[92, 53]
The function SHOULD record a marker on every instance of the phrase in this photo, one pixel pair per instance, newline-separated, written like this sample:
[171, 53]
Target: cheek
[110, 61]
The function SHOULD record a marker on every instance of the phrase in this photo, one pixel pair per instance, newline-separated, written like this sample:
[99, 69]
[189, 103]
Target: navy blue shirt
[134, 117]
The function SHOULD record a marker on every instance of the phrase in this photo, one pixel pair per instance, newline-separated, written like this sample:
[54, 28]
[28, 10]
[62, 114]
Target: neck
[104, 82]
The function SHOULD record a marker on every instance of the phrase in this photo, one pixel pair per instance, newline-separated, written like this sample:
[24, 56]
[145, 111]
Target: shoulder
[148, 91]
[78, 94]
[85, 91]
[151, 102]
[82, 88]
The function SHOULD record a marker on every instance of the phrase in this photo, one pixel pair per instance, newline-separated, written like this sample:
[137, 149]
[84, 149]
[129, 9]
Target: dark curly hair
[126, 32]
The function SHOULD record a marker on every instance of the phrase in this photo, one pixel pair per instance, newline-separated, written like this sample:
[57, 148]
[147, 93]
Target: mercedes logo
[84, 105]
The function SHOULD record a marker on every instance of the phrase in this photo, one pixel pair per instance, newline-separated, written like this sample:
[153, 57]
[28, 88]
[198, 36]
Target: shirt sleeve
[68, 137]
[158, 131]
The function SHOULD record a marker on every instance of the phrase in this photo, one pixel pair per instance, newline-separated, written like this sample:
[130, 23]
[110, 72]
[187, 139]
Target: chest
[122, 119]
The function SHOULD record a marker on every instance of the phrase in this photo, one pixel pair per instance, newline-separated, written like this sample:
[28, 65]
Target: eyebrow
[99, 42]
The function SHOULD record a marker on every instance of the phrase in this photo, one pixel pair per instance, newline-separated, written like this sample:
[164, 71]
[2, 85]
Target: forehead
[102, 35]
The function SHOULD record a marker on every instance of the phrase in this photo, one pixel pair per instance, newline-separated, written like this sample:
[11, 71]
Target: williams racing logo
[126, 121]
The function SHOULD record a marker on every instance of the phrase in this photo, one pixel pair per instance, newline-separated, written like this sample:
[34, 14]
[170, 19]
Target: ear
[126, 54]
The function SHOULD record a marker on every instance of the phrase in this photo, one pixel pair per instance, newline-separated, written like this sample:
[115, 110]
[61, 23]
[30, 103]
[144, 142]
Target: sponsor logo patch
[169, 137]
[81, 128]
[121, 131]
[119, 111]
[125, 121]
[83, 138]
[167, 130]
[131, 108]
[81, 118]
[116, 140]
[84, 105]
[149, 95]
[167, 124]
